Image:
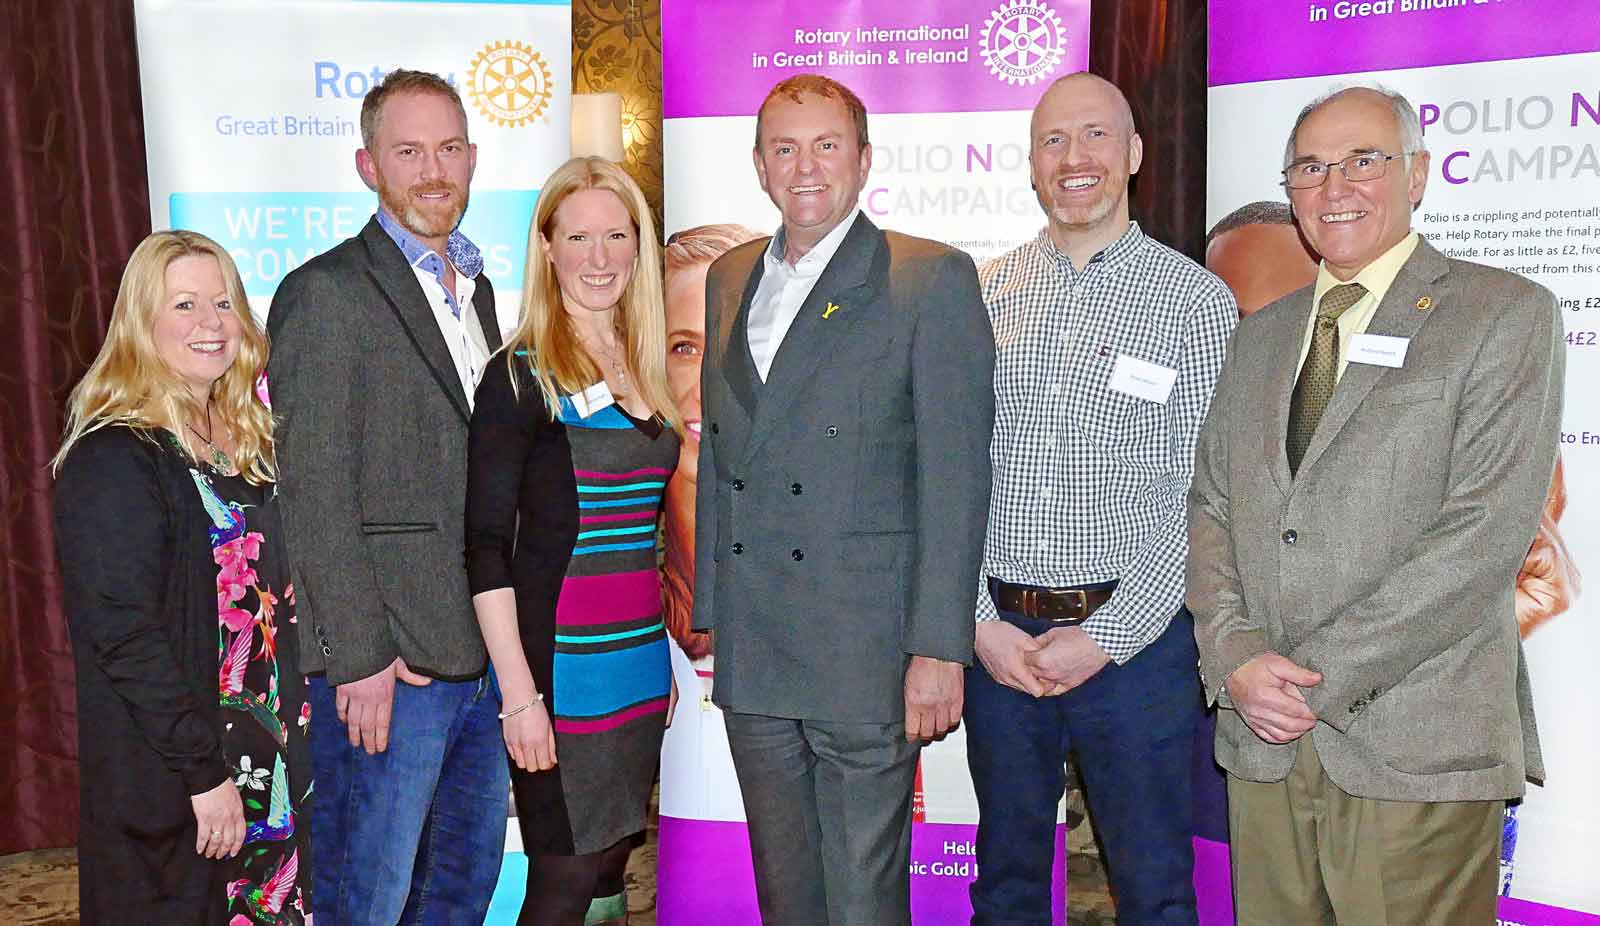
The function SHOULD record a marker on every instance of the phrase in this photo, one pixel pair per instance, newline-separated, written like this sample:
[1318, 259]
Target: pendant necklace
[219, 460]
[617, 368]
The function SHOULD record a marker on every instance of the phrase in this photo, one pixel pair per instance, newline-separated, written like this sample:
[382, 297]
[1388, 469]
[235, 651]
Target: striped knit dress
[612, 669]
[565, 513]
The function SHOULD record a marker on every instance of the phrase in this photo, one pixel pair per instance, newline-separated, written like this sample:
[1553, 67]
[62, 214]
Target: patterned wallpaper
[616, 46]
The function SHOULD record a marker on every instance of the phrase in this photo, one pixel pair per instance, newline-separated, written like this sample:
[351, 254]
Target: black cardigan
[141, 597]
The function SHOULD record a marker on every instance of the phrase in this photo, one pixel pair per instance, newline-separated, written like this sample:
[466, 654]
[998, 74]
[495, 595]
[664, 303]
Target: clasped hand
[1052, 663]
[1266, 693]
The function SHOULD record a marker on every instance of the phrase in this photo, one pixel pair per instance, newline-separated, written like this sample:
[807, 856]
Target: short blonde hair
[544, 337]
[130, 384]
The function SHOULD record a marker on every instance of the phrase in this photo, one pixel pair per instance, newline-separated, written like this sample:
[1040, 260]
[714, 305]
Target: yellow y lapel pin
[1425, 303]
[827, 312]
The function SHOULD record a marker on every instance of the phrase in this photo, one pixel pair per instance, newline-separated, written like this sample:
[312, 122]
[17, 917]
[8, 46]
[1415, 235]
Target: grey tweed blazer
[372, 449]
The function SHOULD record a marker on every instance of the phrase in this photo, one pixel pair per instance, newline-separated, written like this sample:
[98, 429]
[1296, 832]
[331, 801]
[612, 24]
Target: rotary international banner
[948, 85]
[252, 117]
[1510, 111]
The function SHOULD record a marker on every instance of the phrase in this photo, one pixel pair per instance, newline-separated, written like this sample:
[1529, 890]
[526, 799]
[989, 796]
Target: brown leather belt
[1069, 606]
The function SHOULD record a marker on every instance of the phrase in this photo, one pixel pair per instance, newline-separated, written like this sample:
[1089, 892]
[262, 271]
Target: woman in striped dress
[572, 443]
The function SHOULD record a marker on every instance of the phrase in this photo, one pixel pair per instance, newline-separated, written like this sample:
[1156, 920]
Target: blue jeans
[1132, 729]
[414, 834]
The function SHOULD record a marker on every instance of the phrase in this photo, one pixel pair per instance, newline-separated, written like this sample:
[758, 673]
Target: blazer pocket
[873, 552]
[398, 527]
[1423, 390]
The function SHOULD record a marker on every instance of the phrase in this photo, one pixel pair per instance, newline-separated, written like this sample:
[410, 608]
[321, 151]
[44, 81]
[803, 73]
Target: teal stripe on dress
[630, 487]
[607, 547]
[618, 532]
[608, 637]
[645, 501]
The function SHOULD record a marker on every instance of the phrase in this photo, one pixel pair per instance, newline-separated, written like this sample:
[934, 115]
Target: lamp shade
[597, 125]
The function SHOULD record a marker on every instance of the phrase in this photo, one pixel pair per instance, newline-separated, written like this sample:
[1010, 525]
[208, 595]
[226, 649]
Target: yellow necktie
[1320, 372]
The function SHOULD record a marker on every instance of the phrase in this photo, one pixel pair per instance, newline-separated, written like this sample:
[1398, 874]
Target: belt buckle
[1083, 606]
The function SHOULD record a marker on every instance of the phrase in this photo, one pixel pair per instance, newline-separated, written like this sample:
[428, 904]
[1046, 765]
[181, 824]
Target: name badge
[1142, 379]
[1378, 349]
[592, 399]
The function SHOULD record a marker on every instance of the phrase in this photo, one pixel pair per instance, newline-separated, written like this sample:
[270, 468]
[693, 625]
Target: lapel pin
[829, 310]
[1425, 303]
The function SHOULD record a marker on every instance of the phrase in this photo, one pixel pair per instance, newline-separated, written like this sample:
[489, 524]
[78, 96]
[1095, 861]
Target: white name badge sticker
[1378, 349]
[1143, 379]
[592, 399]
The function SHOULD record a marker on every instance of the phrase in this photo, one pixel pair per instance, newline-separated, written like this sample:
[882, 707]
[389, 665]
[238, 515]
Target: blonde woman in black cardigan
[192, 740]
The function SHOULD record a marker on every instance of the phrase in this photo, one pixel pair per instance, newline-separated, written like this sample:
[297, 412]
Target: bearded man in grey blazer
[844, 482]
[1366, 486]
[377, 346]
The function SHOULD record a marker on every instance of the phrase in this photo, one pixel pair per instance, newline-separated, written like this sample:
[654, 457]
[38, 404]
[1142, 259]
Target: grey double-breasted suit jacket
[841, 504]
[1388, 562]
[372, 453]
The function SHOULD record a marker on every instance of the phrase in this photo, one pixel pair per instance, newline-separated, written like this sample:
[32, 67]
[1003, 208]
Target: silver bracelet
[537, 697]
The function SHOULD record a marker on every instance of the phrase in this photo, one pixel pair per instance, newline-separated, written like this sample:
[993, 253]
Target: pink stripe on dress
[624, 516]
[608, 599]
[565, 725]
[647, 471]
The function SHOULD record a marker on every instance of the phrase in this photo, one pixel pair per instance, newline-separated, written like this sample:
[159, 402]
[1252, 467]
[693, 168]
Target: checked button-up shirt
[1090, 482]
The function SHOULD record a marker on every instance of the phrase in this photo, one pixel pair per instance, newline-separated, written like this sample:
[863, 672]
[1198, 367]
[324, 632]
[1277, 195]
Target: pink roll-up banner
[1509, 104]
[948, 85]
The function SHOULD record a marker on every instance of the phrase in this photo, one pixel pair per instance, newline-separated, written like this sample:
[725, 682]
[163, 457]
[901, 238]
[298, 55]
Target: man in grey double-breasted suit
[1367, 483]
[844, 481]
[376, 349]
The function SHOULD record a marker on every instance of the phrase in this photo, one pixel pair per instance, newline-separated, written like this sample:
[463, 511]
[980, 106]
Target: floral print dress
[266, 717]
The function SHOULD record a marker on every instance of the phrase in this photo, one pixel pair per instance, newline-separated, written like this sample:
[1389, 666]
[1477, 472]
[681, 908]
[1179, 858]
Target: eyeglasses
[1357, 168]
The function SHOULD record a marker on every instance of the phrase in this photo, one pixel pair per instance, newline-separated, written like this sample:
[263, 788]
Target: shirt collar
[463, 253]
[1375, 277]
[819, 255]
[1112, 254]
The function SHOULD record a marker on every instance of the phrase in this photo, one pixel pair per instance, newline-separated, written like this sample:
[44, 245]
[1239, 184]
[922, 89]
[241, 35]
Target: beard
[1081, 214]
[421, 218]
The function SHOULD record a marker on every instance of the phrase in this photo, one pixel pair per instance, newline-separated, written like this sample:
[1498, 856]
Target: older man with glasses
[1366, 486]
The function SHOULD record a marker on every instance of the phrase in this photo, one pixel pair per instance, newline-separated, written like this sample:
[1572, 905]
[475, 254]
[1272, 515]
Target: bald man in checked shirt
[1109, 344]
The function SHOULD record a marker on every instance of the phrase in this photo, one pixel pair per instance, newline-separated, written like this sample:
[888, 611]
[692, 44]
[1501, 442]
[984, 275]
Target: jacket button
[738, 485]
[713, 427]
[327, 650]
[1289, 537]
[797, 554]
[831, 431]
[738, 548]
[795, 488]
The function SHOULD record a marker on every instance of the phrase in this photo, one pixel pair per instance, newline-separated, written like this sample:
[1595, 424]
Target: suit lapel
[400, 288]
[1280, 385]
[738, 367]
[1397, 316]
[848, 283]
[483, 306]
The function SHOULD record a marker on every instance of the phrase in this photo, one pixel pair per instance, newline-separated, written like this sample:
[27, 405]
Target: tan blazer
[1388, 563]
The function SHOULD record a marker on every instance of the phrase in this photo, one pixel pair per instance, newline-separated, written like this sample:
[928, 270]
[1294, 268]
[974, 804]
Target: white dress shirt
[784, 289]
[464, 336]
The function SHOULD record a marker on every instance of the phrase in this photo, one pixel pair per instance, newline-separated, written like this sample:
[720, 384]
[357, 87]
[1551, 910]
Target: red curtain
[72, 180]
[1155, 51]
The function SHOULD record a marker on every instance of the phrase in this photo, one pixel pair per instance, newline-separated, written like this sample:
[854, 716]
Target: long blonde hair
[545, 339]
[129, 384]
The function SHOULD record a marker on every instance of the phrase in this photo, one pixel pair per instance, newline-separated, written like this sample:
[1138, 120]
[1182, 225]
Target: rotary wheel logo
[510, 83]
[1022, 41]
